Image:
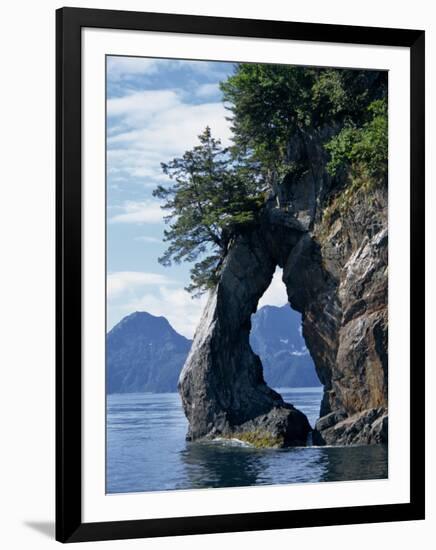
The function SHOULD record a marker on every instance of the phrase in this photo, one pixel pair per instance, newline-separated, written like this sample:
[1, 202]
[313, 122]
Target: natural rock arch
[222, 385]
[336, 276]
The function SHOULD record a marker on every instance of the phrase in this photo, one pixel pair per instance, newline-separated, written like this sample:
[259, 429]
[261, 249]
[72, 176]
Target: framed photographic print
[240, 220]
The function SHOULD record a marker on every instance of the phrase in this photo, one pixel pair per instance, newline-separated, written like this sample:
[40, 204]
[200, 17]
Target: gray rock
[335, 273]
[222, 386]
[364, 428]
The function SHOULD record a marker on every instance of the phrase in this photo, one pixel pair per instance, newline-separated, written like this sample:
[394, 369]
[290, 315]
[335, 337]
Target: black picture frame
[69, 525]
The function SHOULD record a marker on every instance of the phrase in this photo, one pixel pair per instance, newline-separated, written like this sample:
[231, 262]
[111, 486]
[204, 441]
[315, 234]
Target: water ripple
[147, 451]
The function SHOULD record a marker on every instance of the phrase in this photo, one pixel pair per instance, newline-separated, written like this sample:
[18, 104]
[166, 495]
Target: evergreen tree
[211, 198]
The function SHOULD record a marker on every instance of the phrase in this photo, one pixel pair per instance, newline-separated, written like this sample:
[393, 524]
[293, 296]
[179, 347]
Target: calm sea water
[147, 451]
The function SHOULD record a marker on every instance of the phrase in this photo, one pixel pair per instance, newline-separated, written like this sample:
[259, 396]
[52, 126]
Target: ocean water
[147, 451]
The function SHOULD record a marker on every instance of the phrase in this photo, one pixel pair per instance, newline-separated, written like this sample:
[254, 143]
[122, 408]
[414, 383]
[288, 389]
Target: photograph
[217, 289]
[246, 274]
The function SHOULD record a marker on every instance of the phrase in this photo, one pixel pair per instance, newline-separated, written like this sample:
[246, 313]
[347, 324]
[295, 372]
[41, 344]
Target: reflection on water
[147, 451]
[213, 465]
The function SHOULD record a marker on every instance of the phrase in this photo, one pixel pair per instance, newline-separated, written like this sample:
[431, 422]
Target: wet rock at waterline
[364, 428]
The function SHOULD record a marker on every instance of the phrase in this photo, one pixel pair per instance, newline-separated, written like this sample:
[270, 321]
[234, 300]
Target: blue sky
[155, 110]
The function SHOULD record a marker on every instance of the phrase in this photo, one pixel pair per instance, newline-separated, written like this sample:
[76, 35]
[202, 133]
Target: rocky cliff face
[335, 272]
[350, 340]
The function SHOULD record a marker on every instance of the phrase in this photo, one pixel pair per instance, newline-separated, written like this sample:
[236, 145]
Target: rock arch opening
[276, 336]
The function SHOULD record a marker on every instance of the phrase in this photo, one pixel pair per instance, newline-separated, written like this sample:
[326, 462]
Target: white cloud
[154, 127]
[146, 239]
[301, 353]
[130, 291]
[182, 311]
[142, 104]
[172, 129]
[275, 294]
[128, 282]
[139, 212]
[138, 163]
[207, 90]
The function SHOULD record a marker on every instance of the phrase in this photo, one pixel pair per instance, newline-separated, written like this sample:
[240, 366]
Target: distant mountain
[145, 354]
[276, 337]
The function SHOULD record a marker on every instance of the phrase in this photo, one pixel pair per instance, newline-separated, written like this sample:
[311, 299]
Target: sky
[156, 108]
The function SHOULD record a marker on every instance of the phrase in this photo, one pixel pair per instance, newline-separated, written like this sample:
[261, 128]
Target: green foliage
[361, 154]
[210, 199]
[362, 150]
[268, 103]
[271, 103]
